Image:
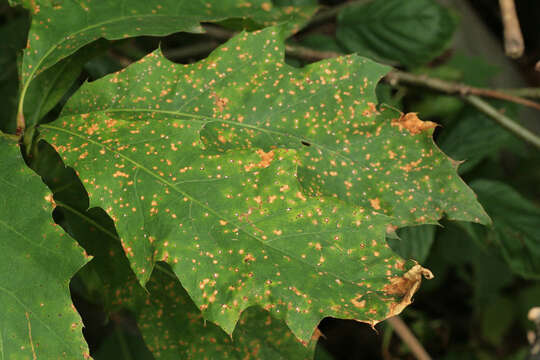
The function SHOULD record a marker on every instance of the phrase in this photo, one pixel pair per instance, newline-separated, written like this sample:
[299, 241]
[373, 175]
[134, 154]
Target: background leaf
[472, 137]
[409, 32]
[497, 318]
[37, 260]
[199, 163]
[414, 242]
[515, 229]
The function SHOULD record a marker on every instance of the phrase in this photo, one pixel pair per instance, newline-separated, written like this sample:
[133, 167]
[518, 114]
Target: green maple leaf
[37, 260]
[260, 183]
[59, 29]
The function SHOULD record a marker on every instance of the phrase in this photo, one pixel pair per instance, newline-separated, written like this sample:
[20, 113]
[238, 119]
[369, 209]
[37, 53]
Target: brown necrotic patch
[411, 122]
[405, 286]
[266, 160]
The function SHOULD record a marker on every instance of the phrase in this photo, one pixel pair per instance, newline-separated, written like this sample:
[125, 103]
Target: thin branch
[522, 92]
[408, 338]
[396, 77]
[503, 120]
[306, 53]
[513, 38]
[449, 87]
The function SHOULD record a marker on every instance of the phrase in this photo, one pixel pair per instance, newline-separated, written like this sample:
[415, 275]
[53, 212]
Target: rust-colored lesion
[266, 160]
[358, 303]
[370, 110]
[411, 122]
[220, 102]
[375, 203]
[403, 287]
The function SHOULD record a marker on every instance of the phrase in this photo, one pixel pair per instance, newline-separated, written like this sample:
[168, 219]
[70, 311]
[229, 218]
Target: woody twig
[513, 38]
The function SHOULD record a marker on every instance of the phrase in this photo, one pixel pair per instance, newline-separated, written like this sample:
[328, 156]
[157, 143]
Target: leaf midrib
[25, 238]
[27, 308]
[207, 118]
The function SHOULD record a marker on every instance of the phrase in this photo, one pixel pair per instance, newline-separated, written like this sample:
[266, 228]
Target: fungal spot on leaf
[248, 258]
[266, 160]
[411, 122]
[359, 303]
[372, 109]
[220, 102]
[375, 203]
[411, 166]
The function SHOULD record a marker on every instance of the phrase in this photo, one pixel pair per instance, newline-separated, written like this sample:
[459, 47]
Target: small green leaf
[260, 183]
[411, 32]
[515, 229]
[437, 106]
[472, 137]
[37, 260]
[27, 4]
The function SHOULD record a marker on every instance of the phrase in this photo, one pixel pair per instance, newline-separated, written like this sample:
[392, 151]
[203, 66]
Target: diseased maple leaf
[260, 183]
